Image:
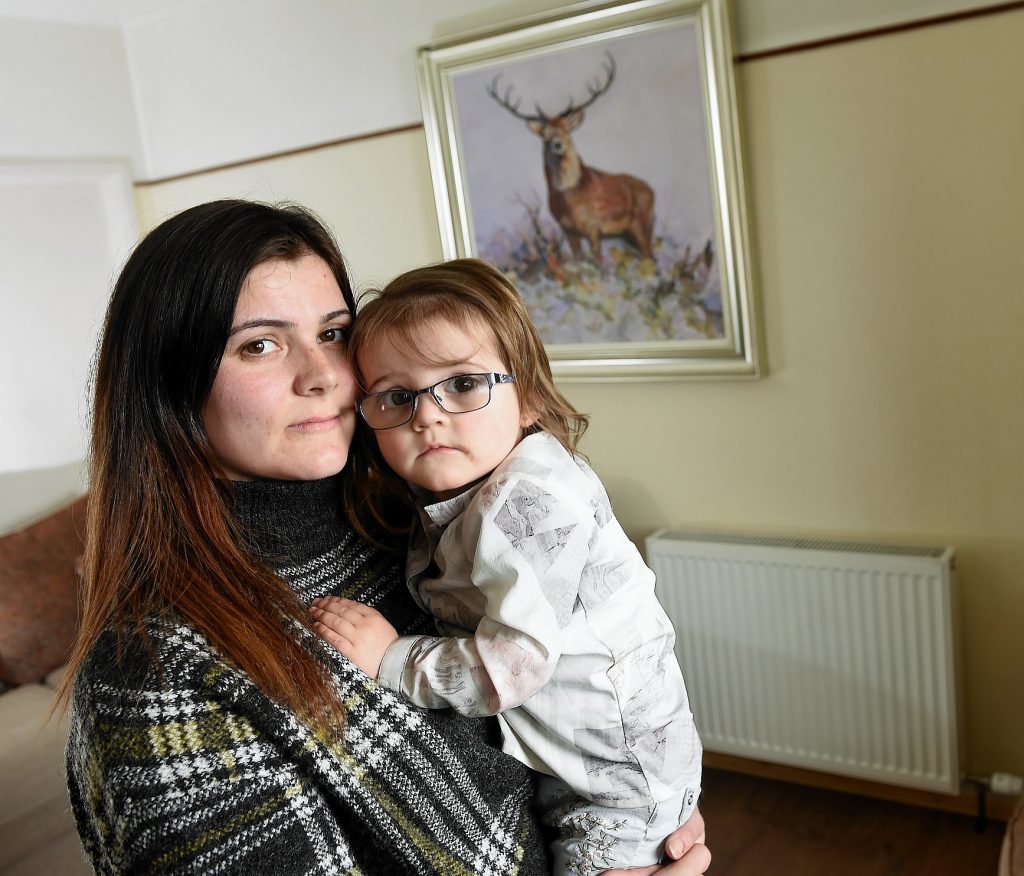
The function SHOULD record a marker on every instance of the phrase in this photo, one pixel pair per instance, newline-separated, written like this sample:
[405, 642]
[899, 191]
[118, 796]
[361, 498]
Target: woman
[210, 730]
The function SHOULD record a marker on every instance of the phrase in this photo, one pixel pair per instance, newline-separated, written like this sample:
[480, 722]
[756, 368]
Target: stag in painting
[587, 203]
[610, 230]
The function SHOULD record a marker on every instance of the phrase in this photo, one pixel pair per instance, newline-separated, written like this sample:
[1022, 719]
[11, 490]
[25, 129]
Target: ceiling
[116, 13]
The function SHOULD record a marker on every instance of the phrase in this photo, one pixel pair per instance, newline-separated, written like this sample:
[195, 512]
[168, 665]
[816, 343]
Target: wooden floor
[760, 827]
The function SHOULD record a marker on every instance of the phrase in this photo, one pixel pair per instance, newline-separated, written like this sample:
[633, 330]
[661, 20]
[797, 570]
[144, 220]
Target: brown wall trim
[274, 155]
[881, 31]
[743, 58]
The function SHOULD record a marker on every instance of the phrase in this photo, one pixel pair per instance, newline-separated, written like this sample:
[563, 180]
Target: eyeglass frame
[494, 378]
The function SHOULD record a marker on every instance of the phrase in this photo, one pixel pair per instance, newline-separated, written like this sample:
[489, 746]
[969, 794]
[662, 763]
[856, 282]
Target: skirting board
[998, 807]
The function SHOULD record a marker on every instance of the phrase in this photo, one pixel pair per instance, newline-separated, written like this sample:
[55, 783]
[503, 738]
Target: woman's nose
[320, 369]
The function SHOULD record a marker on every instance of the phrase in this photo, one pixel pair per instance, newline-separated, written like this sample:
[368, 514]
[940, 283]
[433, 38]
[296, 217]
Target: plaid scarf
[177, 763]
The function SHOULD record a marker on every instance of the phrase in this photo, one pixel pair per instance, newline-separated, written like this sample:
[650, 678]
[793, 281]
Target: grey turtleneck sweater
[178, 763]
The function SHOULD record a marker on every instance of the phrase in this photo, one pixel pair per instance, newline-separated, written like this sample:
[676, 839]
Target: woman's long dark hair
[159, 533]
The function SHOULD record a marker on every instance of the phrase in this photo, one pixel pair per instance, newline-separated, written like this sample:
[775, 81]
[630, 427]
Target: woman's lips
[316, 424]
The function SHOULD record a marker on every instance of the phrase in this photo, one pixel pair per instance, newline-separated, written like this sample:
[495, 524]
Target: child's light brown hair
[473, 295]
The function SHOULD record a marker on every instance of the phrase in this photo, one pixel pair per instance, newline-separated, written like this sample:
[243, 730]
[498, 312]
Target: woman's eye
[465, 383]
[335, 334]
[259, 347]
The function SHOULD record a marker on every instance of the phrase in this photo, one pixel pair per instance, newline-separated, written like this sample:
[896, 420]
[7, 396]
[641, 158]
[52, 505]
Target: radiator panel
[838, 657]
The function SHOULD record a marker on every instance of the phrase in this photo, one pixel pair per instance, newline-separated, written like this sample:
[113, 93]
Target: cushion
[1011, 863]
[53, 679]
[39, 595]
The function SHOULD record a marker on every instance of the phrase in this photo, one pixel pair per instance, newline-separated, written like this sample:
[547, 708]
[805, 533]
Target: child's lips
[437, 449]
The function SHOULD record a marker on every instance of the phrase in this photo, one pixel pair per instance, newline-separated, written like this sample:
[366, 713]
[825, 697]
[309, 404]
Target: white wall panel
[224, 80]
[65, 91]
[64, 232]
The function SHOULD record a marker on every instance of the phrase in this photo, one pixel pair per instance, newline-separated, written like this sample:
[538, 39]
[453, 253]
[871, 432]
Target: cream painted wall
[885, 188]
[885, 185]
[375, 194]
[768, 24]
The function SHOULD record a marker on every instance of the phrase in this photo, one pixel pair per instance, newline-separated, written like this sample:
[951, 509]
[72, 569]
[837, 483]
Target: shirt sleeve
[183, 784]
[529, 546]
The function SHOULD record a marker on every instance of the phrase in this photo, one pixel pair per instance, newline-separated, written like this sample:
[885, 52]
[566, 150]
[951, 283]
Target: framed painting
[592, 154]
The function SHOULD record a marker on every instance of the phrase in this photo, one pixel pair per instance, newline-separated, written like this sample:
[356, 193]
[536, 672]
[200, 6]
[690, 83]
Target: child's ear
[527, 417]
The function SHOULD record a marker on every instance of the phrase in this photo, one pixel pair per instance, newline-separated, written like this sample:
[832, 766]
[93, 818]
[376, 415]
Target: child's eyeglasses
[456, 395]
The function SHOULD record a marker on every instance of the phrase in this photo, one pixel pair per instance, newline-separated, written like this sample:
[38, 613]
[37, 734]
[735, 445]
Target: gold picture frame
[637, 267]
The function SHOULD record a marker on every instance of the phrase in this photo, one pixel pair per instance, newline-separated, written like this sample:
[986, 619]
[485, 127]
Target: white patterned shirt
[549, 621]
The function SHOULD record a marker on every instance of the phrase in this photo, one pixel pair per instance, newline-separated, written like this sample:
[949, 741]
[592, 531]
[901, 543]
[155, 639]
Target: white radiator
[832, 656]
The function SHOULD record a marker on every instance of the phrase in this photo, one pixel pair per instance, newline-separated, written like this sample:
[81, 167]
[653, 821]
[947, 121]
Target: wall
[217, 81]
[254, 77]
[767, 24]
[885, 187]
[67, 105]
[375, 194]
[884, 183]
[65, 92]
[65, 229]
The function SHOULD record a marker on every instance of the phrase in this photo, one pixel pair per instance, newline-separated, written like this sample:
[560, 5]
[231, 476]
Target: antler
[513, 108]
[595, 87]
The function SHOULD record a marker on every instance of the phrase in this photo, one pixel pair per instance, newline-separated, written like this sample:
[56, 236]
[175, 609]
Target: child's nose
[427, 410]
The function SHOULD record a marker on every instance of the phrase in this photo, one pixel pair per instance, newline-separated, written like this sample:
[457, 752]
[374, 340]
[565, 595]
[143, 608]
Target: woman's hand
[359, 632]
[690, 857]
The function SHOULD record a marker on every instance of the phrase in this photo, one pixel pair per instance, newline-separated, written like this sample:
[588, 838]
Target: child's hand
[361, 633]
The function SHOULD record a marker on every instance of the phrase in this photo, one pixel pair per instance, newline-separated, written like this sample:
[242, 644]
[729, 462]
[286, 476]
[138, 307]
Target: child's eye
[395, 398]
[464, 383]
[259, 347]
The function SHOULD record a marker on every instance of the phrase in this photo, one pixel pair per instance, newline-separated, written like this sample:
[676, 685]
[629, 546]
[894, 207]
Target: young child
[546, 611]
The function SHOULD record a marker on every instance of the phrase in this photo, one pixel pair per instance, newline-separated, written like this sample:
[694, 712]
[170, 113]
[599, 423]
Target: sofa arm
[34, 803]
[1011, 860]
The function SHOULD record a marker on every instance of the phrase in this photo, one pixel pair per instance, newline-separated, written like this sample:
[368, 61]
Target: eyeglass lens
[460, 394]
